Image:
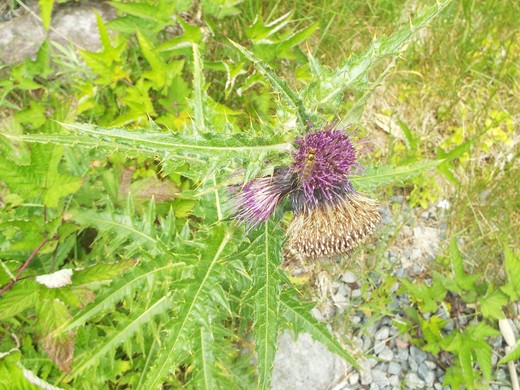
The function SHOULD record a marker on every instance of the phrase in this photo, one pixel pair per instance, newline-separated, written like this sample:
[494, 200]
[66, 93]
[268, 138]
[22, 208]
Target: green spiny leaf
[121, 288]
[376, 176]
[184, 324]
[123, 332]
[100, 272]
[164, 144]
[266, 256]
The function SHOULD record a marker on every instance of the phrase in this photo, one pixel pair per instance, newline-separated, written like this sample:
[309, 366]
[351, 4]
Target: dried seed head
[333, 227]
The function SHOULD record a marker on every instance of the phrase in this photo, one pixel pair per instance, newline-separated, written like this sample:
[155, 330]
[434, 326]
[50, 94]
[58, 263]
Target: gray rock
[374, 386]
[305, 364]
[356, 293]
[353, 379]
[380, 378]
[382, 333]
[386, 354]
[426, 374]
[22, 36]
[394, 368]
[379, 347]
[413, 364]
[367, 343]
[418, 355]
[366, 372]
[412, 381]
[402, 354]
[400, 273]
[394, 382]
[348, 277]
[500, 375]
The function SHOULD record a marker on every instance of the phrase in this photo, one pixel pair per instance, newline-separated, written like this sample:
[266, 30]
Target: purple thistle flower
[329, 216]
[258, 199]
[322, 162]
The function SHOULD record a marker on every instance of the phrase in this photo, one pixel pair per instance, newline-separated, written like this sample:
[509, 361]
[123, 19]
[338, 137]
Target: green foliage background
[117, 165]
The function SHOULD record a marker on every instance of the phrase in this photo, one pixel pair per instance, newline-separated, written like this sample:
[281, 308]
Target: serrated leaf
[376, 176]
[41, 177]
[463, 280]
[166, 145]
[513, 354]
[187, 320]
[114, 294]
[482, 330]
[100, 272]
[146, 11]
[265, 252]
[46, 12]
[483, 357]
[512, 264]
[491, 305]
[123, 332]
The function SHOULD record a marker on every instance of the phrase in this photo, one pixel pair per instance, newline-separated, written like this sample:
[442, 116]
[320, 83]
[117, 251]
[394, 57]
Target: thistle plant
[330, 217]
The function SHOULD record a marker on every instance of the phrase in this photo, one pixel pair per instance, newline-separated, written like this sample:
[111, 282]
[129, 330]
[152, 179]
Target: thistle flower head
[322, 162]
[329, 216]
[258, 199]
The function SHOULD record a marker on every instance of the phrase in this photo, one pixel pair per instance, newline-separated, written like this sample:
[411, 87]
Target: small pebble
[418, 355]
[382, 333]
[348, 277]
[402, 354]
[394, 368]
[394, 382]
[354, 378]
[379, 377]
[379, 347]
[365, 372]
[386, 354]
[426, 374]
[412, 381]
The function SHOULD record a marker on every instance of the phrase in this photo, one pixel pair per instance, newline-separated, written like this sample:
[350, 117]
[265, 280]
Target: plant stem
[26, 264]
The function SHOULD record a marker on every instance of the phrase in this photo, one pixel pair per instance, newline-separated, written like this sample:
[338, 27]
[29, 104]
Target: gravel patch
[390, 361]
